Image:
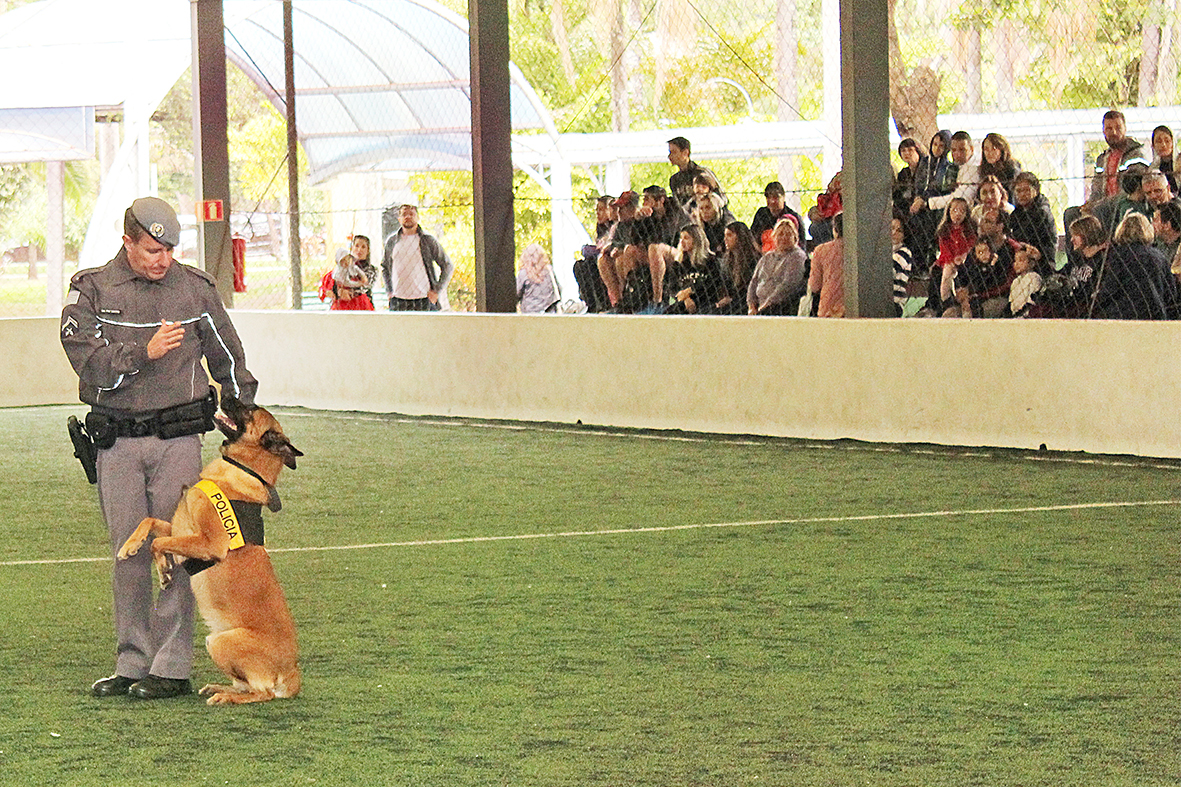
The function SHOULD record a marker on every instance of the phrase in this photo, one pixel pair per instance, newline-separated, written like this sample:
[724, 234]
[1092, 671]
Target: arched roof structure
[380, 84]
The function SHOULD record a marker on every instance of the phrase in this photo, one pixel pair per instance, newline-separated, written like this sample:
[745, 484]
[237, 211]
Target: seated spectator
[981, 283]
[828, 205]
[537, 287]
[704, 183]
[767, 217]
[956, 234]
[776, 285]
[996, 160]
[902, 259]
[1166, 225]
[992, 196]
[1134, 281]
[906, 182]
[700, 284]
[935, 176]
[1068, 293]
[826, 281]
[1162, 155]
[586, 268]
[1157, 190]
[714, 218]
[661, 226]
[645, 241]
[1032, 220]
[1027, 282]
[994, 225]
[967, 173]
[955, 238]
[738, 266]
[615, 262]
[1130, 199]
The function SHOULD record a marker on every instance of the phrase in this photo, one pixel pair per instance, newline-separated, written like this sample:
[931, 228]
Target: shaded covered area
[381, 85]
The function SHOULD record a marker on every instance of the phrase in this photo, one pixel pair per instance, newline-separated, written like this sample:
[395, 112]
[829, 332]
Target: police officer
[135, 331]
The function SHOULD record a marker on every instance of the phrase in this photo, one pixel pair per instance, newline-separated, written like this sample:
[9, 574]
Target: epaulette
[82, 274]
[208, 277]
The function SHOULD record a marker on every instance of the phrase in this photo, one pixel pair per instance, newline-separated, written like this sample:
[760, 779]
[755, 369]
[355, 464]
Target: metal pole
[212, 141]
[492, 161]
[293, 243]
[866, 178]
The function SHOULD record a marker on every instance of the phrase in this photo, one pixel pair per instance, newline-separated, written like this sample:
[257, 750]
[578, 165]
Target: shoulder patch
[72, 297]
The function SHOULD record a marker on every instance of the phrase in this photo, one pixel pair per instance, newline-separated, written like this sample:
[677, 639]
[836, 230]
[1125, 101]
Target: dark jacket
[1135, 284]
[111, 314]
[1034, 224]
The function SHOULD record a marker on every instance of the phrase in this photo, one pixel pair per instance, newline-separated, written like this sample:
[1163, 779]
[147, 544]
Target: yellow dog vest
[225, 512]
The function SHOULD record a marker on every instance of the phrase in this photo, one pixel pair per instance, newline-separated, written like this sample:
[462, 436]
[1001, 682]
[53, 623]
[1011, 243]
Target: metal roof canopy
[381, 84]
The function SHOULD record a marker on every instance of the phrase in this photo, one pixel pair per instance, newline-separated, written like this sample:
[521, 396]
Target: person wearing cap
[136, 330]
[612, 258]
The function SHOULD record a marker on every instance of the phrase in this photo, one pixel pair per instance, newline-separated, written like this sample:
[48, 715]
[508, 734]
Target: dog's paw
[210, 689]
[129, 549]
[165, 579]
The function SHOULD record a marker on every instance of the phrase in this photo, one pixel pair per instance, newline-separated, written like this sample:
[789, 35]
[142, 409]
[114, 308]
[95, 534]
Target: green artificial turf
[807, 636]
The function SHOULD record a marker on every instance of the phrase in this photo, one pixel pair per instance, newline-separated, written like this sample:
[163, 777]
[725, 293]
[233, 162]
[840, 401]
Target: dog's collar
[273, 501]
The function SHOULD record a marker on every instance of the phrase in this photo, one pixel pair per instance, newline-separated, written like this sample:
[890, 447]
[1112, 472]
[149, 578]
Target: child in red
[956, 237]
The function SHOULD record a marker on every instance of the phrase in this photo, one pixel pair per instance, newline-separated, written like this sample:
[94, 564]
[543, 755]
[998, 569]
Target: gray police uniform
[111, 313]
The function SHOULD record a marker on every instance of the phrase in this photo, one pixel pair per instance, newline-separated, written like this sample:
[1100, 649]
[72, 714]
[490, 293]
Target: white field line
[668, 528]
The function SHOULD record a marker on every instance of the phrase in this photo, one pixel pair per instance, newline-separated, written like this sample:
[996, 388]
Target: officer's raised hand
[167, 337]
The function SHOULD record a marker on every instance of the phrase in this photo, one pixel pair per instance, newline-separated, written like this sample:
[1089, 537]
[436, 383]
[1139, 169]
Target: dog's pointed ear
[278, 444]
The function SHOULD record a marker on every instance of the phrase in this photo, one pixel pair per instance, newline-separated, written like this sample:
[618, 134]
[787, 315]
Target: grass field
[483, 604]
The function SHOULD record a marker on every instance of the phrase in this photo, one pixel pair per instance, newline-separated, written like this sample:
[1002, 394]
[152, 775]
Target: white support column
[55, 246]
[615, 180]
[568, 233]
[1077, 173]
[830, 26]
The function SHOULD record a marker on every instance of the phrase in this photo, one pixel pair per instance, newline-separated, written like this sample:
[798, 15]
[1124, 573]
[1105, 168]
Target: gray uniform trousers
[140, 477]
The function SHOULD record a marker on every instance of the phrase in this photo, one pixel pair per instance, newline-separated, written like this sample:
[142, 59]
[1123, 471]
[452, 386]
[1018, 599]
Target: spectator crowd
[972, 236]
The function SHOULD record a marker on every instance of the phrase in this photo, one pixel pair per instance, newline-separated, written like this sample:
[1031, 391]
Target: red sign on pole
[211, 210]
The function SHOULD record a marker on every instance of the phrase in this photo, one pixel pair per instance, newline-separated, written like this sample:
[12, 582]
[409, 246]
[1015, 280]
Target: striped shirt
[903, 266]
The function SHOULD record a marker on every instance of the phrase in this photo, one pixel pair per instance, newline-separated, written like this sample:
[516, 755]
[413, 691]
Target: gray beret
[158, 219]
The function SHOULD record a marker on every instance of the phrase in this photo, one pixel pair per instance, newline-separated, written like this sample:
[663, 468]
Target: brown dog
[252, 636]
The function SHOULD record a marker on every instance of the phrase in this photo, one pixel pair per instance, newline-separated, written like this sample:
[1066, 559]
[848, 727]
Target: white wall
[1090, 386]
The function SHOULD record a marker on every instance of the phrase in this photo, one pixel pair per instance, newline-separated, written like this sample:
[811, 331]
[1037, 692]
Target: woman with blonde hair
[537, 289]
[1134, 281]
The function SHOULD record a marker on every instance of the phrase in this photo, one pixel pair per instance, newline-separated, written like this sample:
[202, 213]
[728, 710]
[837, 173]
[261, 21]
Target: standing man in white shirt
[415, 267]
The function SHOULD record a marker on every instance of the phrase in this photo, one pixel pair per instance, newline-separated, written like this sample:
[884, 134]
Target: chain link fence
[1039, 74]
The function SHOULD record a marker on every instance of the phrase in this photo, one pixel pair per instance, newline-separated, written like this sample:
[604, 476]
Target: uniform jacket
[111, 314]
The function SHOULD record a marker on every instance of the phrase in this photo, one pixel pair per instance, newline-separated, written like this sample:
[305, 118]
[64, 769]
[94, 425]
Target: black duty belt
[184, 419]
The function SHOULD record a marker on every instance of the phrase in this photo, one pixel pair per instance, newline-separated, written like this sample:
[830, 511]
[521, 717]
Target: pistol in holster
[84, 449]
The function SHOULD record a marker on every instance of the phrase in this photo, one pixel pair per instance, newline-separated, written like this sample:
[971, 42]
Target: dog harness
[241, 520]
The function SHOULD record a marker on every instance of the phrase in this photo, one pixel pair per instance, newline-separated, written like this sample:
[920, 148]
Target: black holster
[84, 450]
